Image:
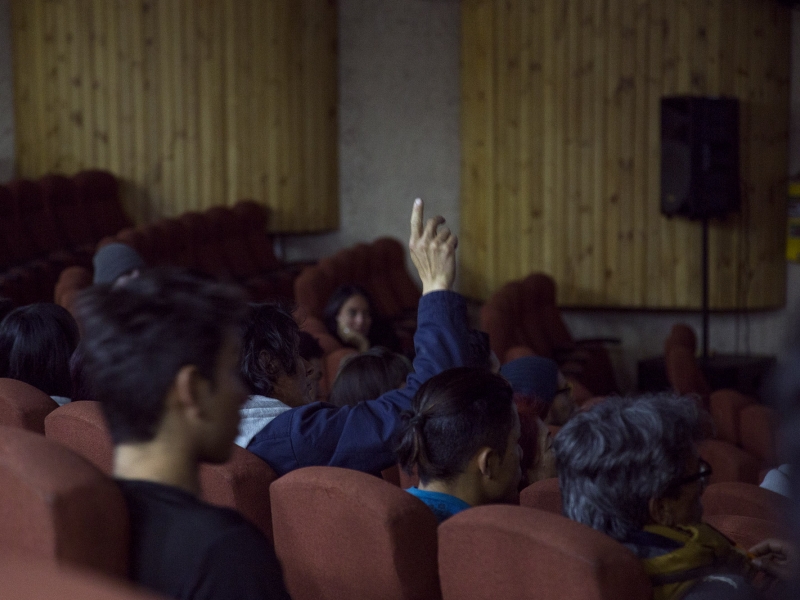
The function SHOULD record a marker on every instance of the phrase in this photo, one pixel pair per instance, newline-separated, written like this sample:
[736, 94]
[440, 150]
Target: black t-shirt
[187, 549]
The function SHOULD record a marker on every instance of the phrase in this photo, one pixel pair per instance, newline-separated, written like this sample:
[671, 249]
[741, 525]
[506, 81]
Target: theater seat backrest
[24, 406]
[72, 218]
[81, 427]
[98, 191]
[58, 506]
[544, 495]
[725, 407]
[35, 216]
[756, 432]
[744, 500]
[18, 244]
[344, 534]
[729, 462]
[242, 483]
[746, 532]
[501, 551]
[255, 217]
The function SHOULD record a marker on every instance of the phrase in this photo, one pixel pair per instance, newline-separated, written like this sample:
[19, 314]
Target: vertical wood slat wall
[561, 148]
[193, 103]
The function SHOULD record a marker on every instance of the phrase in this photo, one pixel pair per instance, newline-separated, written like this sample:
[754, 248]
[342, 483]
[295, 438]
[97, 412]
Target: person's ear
[661, 511]
[190, 390]
[486, 459]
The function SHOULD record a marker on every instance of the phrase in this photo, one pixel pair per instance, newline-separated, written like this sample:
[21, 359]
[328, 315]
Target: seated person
[349, 318]
[360, 437]
[538, 458]
[536, 379]
[368, 375]
[311, 352]
[116, 263]
[629, 468]
[162, 353]
[36, 343]
[273, 368]
[462, 435]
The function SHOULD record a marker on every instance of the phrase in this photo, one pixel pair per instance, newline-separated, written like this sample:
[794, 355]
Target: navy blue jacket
[361, 437]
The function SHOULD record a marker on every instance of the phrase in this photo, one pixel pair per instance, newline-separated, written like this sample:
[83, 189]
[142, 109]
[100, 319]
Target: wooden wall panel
[561, 147]
[193, 103]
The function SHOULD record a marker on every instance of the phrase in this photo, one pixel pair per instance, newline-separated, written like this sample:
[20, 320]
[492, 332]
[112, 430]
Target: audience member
[538, 459]
[162, 353]
[630, 468]
[36, 343]
[116, 263]
[273, 368]
[349, 317]
[311, 352]
[360, 437]
[537, 380]
[368, 375]
[462, 435]
[482, 353]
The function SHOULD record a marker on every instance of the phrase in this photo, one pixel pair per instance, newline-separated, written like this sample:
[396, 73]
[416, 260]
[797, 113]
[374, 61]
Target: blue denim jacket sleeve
[361, 437]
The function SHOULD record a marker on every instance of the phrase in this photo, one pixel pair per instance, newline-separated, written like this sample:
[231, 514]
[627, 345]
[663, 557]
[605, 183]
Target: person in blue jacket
[361, 437]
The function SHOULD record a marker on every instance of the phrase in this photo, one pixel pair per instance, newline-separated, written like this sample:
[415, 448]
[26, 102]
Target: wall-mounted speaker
[699, 156]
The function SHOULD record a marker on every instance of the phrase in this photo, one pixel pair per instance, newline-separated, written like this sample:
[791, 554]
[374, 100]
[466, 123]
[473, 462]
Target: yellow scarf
[705, 551]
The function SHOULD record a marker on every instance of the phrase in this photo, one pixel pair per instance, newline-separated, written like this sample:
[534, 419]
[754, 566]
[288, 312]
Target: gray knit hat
[114, 260]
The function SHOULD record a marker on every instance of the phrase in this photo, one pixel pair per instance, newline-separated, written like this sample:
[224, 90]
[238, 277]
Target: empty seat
[57, 506]
[24, 406]
[745, 500]
[243, 484]
[345, 534]
[81, 427]
[543, 495]
[500, 551]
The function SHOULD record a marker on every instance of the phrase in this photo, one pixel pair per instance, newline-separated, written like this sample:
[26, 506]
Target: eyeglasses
[703, 475]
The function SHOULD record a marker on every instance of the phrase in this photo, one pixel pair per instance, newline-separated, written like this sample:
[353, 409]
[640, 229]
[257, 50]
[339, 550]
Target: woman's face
[354, 315]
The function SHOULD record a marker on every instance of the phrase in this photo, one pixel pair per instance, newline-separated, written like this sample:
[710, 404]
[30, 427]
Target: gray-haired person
[629, 467]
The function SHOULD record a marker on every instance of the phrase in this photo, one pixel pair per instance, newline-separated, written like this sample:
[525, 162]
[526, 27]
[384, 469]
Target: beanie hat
[114, 260]
[533, 376]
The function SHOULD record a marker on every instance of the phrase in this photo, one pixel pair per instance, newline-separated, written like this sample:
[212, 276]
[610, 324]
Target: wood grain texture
[561, 148]
[192, 103]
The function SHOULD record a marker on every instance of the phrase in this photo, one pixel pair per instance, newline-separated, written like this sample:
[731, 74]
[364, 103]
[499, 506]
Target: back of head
[6, 305]
[615, 457]
[533, 376]
[270, 346]
[114, 260]
[368, 375]
[138, 336]
[36, 343]
[452, 416]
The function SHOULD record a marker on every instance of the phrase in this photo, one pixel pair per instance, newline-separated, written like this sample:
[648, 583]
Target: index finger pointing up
[416, 219]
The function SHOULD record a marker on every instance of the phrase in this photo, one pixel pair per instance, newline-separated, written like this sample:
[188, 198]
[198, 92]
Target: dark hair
[368, 375]
[270, 329]
[452, 416]
[36, 343]
[479, 349]
[615, 457]
[342, 294]
[309, 346]
[138, 336]
[81, 386]
[5, 306]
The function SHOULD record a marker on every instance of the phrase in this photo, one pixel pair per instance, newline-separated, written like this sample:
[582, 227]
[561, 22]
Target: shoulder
[722, 586]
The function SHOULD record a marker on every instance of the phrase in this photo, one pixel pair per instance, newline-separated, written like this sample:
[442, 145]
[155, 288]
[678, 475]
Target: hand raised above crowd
[433, 250]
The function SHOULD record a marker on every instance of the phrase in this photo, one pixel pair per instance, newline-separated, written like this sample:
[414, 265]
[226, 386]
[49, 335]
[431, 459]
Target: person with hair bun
[462, 435]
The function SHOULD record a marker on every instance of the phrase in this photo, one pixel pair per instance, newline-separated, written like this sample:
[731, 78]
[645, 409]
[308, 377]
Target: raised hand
[433, 250]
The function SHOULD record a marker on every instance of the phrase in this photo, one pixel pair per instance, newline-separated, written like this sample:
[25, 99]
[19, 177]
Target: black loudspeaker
[699, 156]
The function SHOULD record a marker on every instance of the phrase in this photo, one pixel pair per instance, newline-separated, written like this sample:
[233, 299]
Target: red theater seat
[98, 192]
[543, 495]
[81, 427]
[24, 406]
[344, 534]
[744, 500]
[501, 551]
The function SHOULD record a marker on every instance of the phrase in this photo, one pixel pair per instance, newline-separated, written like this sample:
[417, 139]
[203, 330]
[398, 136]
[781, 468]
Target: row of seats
[745, 446]
[49, 224]
[62, 508]
[229, 244]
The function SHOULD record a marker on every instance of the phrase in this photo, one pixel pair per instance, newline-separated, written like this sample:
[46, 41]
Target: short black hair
[6, 305]
[368, 375]
[613, 458]
[342, 294]
[269, 329]
[139, 335]
[452, 416]
[36, 343]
